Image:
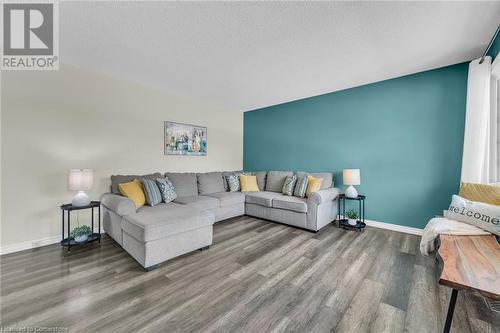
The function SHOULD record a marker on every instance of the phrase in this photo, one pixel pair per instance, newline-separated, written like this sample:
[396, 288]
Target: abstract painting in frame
[185, 139]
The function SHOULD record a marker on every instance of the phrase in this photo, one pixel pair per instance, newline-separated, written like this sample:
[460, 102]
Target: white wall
[55, 121]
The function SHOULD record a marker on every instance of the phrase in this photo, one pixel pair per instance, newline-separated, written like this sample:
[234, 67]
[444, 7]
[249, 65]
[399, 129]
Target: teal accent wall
[405, 134]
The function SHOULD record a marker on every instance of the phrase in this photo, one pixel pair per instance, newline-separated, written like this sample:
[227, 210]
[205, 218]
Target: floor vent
[492, 305]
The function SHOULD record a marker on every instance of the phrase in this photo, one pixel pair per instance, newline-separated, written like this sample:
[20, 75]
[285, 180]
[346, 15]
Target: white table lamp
[351, 177]
[81, 180]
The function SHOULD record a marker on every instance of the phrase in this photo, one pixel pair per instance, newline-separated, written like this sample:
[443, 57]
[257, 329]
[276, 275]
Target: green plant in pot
[81, 234]
[352, 217]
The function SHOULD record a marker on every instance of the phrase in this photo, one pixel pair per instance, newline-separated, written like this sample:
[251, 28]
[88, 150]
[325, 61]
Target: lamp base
[80, 199]
[351, 192]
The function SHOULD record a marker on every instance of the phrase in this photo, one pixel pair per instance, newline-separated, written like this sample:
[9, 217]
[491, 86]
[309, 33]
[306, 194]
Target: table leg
[338, 210]
[62, 210]
[69, 232]
[92, 221]
[451, 310]
[343, 209]
[359, 209]
[363, 210]
[99, 221]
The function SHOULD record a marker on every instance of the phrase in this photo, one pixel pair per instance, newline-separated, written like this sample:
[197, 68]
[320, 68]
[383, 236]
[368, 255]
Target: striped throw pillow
[289, 185]
[166, 189]
[152, 192]
[301, 186]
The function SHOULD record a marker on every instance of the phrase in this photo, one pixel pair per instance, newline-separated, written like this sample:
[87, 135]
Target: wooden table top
[471, 263]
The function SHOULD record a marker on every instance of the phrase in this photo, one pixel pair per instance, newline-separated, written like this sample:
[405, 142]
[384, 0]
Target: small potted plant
[352, 217]
[81, 234]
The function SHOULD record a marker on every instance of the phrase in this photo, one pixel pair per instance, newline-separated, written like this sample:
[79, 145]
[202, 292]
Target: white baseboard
[395, 227]
[29, 244]
[56, 239]
[33, 244]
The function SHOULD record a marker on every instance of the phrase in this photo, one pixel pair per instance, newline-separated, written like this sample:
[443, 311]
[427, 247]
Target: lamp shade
[81, 179]
[351, 177]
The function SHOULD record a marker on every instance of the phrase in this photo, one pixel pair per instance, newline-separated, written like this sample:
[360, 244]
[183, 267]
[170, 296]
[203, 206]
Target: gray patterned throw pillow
[152, 192]
[289, 185]
[301, 186]
[166, 189]
[233, 182]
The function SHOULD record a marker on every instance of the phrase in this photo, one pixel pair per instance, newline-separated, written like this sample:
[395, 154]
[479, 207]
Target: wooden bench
[469, 263]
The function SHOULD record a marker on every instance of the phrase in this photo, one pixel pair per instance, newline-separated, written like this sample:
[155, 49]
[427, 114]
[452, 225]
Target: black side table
[360, 225]
[69, 242]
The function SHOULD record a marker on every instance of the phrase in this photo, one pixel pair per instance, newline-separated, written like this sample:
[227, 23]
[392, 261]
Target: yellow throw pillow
[313, 184]
[133, 191]
[485, 193]
[248, 183]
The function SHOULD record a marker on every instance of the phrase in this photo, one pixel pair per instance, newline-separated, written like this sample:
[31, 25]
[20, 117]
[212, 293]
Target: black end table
[96, 236]
[360, 225]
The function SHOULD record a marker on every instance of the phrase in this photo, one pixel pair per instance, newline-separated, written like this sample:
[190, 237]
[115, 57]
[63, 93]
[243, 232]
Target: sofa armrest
[323, 195]
[119, 204]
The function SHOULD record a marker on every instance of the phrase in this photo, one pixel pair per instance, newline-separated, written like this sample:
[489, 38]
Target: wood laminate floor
[258, 276]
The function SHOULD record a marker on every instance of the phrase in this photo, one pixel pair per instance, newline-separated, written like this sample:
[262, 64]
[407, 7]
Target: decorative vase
[352, 222]
[81, 238]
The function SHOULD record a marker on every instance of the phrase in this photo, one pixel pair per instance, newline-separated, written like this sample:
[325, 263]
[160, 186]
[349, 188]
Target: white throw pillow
[481, 215]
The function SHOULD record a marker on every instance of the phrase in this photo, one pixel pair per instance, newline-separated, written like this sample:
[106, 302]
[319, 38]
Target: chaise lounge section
[155, 234]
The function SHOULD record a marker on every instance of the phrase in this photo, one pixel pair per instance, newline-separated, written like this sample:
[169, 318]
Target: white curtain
[479, 161]
[495, 103]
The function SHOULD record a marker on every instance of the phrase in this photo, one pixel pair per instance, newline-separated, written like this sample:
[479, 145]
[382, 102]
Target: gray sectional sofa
[152, 235]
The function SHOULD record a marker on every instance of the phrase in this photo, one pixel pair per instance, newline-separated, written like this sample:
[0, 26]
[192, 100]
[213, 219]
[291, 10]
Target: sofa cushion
[185, 184]
[478, 214]
[485, 193]
[290, 203]
[233, 183]
[261, 179]
[248, 183]
[163, 220]
[167, 189]
[326, 176]
[263, 198]
[152, 192]
[289, 185]
[133, 190]
[227, 173]
[301, 185]
[119, 179]
[199, 201]
[313, 185]
[327, 179]
[210, 182]
[229, 198]
[276, 179]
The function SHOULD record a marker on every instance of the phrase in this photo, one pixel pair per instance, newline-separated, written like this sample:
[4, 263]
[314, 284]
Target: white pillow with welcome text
[481, 215]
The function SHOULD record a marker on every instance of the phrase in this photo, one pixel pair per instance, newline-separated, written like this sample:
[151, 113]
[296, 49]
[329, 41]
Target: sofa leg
[150, 268]
[204, 248]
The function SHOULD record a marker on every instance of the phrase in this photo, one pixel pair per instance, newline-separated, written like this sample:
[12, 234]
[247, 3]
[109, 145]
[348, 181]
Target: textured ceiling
[246, 55]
